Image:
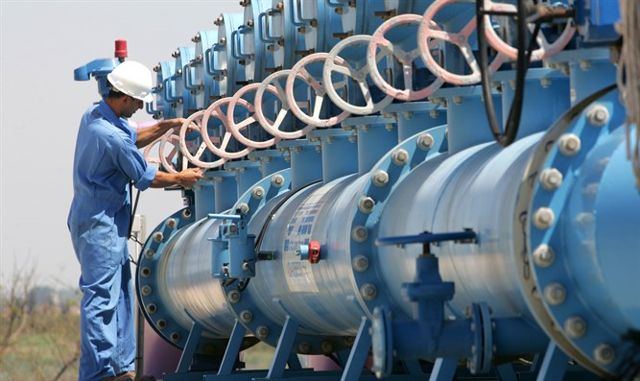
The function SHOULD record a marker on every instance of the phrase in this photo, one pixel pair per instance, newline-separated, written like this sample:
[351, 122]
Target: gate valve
[545, 49]
[251, 119]
[299, 70]
[335, 63]
[406, 59]
[277, 81]
[427, 33]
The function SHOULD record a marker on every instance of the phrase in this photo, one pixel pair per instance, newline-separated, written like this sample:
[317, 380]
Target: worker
[106, 161]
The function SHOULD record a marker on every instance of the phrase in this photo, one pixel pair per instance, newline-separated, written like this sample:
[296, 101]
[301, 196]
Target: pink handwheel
[378, 40]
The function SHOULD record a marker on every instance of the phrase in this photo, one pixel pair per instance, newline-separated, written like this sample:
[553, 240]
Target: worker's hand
[172, 123]
[189, 176]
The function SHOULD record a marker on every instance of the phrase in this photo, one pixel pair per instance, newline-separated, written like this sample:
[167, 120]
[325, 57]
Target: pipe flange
[549, 289]
[384, 177]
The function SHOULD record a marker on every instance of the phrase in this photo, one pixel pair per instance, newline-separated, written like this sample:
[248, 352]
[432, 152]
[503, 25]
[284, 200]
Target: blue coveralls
[106, 159]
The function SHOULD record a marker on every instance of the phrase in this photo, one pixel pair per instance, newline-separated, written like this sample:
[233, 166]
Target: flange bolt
[368, 291]
[246, 316]
[569, 144]
[400, 157]
[425, 141]
[575, 326]
[146, 290]
[243, 208]
[277, 180]
[360, 263]
[380, 178]
[604, 354]
[234, 296]
[359, 234]
[262, 332]
[598, 116]
[257, 192]
[555, 293]
[543, 218]
[172, 223]
[551, 179]
[158, 236]
[304, 347]
[366, 204]
[543, 256]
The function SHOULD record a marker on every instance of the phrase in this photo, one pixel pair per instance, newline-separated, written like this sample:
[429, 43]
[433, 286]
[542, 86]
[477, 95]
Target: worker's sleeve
[131, 162]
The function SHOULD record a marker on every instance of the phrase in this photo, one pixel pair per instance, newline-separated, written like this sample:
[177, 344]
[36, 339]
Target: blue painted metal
[429, 166]
[190, 348]
[97, 69]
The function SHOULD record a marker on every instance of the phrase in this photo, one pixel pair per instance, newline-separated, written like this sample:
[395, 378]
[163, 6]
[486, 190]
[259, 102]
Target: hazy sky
[40, 108]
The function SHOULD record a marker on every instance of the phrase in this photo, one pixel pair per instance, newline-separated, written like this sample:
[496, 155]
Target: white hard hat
[133, 79]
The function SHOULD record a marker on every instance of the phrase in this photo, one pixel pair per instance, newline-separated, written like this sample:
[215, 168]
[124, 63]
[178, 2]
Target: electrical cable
[522, 63]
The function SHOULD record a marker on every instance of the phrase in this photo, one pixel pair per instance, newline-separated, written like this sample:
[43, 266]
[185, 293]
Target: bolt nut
[176, 53]
[250, 23]
[243, 207]
[425, 141]
[368, 291]
[585, 65]
[151, 308]
[545, 82]
[257, 192]
[246, 316]
[380, 178]
[218, 21]
[434, 114]
[172, 223]
[223, 41]
[158, 236]
[149, 253]
[186, 213]
[234, 296]
[366, 204]
[277, 180]
[551, 179]
[156, 68]
[543, 256]
[145, 272]
[457, 99]
[359, 234]
[569, 144]
[555, 293]
[326, 347]
[604, 354]
[360, 263]
[175, 336]
[543, 218]
[162, 324]
[575, 327]
[598, 116]
[304, 347]
[262, 332]
[146, 290]
[400, 157]
[196, 38]
[280, 6]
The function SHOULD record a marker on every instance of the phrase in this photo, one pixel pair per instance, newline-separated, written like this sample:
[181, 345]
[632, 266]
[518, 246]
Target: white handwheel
[335, 63]
[427, 32]
[195, 122]
[236, 128]
[275, 81]
[378, 39]
[215, 110]
[161, 145]
[545, 49]
[299, 71]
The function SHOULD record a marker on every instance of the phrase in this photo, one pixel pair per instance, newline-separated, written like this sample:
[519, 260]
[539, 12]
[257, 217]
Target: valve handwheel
[276, 81]
[194, 122]
[545, 49]
[236, 128]
[335, 63]
[162, 158]
[298, 71]
[378, 40]
[215, 110]
[428, 32]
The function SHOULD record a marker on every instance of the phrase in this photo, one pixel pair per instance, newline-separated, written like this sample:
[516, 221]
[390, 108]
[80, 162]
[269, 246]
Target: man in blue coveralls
[106, 161]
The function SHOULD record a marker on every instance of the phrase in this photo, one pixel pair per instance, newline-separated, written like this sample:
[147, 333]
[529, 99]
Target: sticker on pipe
[298, 271]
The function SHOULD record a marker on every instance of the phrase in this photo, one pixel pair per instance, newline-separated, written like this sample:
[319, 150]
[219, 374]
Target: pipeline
[359, 203]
